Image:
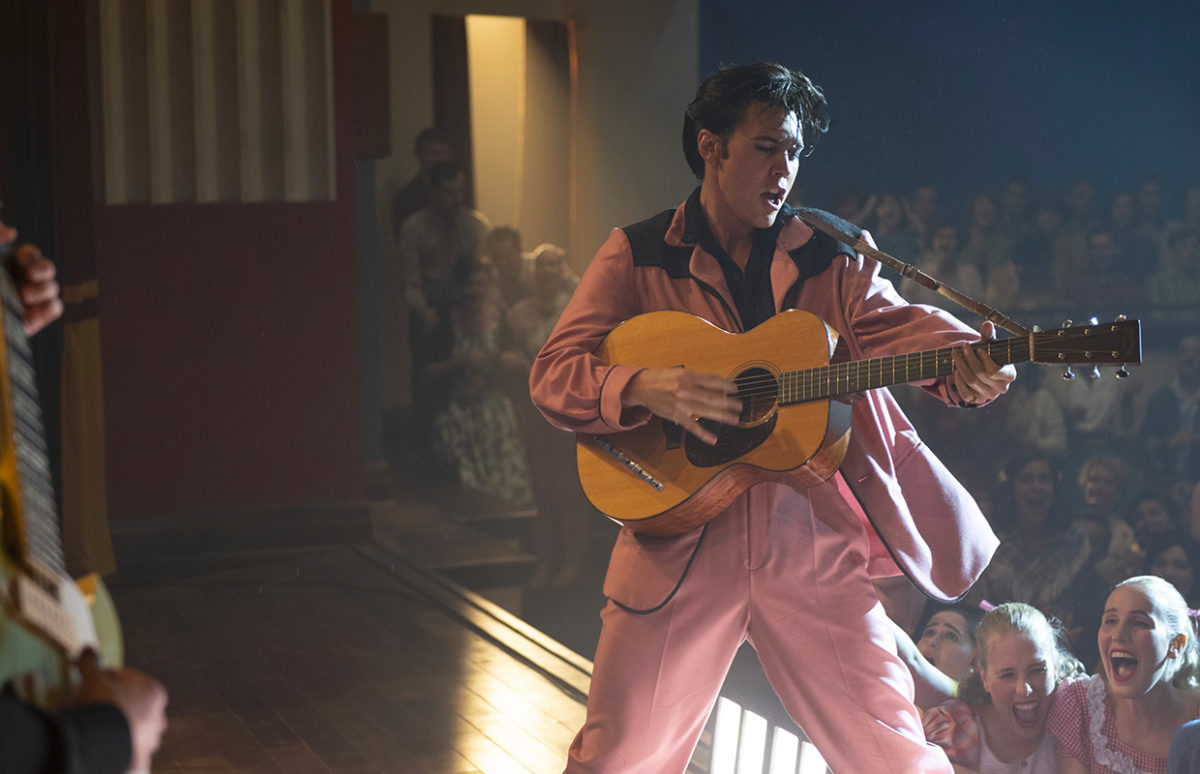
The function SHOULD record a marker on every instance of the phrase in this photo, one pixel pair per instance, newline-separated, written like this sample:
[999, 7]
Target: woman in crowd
[1102, 485]
[1122, 720]
[1153, 515]
[939, 655]
[475, 434]
[1175, 557]
[1043, 559]
[999, 723]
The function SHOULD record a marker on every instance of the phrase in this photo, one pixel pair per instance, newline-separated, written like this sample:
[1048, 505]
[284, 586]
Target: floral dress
[475, 435]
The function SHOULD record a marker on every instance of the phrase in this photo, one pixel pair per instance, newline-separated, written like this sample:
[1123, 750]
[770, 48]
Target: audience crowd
[1092, 482]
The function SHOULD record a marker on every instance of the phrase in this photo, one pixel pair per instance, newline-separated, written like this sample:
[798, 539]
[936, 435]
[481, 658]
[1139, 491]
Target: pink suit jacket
[931, 525]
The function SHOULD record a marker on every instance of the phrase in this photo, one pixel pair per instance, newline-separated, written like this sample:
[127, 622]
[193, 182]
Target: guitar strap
[916, 275]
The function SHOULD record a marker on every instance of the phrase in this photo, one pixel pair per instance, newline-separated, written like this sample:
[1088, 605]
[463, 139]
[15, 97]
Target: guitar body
[659, 479]
[37, 660]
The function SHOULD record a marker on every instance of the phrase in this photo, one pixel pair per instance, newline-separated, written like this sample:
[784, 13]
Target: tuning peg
[1121, 318]
[1093, 321]
[1068, 374]
[1122, 372]
[1094, 372]
[1067, 323]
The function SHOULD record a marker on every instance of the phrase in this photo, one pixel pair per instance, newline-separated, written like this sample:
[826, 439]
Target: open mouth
[1124, 665]
[774, 198]
[1026, 713]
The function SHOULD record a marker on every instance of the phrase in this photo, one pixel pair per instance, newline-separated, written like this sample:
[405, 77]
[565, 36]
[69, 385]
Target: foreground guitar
[46, 618]
[658, 479]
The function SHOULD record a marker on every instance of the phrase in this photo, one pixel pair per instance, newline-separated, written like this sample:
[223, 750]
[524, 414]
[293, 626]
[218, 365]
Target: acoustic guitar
[47, 619]
[659, 479]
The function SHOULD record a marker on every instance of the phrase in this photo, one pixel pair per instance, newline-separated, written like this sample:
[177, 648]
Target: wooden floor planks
[325, 660]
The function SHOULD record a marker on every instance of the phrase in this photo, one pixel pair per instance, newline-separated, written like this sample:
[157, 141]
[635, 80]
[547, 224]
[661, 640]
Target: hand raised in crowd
[141, 698]
[685, 397]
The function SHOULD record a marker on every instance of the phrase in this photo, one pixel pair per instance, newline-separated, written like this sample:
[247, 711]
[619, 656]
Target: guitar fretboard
[32, 486]
[860, 375]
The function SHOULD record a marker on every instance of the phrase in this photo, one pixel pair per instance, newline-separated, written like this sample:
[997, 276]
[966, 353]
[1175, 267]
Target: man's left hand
[977, 379]
[38, 288]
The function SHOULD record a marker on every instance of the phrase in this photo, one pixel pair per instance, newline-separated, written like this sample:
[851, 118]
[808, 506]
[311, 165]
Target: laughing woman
[999, 724]
[1121, 721]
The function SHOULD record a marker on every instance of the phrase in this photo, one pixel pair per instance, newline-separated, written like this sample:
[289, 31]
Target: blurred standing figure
[431, 146]
[439, 245]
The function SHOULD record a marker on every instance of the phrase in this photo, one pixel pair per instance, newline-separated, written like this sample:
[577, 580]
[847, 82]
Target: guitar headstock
[1110, 343]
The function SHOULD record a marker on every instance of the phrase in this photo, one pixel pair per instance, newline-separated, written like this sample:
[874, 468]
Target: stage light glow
[725, 737]
[752, 745]
[785, 752]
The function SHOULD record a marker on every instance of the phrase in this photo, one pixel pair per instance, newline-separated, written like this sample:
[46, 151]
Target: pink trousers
[797, 588]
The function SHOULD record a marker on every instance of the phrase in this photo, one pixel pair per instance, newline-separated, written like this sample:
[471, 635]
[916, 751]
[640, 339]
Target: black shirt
[751, 289]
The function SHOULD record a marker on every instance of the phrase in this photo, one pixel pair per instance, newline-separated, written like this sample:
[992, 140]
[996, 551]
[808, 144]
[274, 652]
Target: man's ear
[711, 146]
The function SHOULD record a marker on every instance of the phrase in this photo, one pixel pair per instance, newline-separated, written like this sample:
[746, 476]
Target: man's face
[448, 194]
[1102, 249]
[755, 167]
[431, 152]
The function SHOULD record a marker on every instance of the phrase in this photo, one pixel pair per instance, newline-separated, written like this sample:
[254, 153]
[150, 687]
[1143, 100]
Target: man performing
[787, 567]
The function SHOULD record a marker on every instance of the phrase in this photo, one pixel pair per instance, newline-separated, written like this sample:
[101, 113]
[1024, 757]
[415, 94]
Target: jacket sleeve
[882, 323]
[573, 388]
[88, 739]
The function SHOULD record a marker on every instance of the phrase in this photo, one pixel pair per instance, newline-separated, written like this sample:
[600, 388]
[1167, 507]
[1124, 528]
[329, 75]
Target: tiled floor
[329, 659]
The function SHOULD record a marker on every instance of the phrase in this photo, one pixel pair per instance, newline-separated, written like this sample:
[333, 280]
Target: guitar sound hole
[758, 389]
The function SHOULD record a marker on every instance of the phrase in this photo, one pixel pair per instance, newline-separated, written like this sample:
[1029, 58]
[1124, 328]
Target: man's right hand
[685, 397]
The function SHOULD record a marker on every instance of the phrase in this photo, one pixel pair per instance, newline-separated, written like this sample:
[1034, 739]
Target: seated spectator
[1149, 209]
[947, 640]
[1177, 283]
[1171, 428]
[475, 436]
[1105, 285]
[921, 208]
[985, 247]
[1175, 557]
[1123, 719]
[1043, 559]
[1138, 253]
[999, 723]
[940, 658]
[1102, 484]
[1030, 273]
[1152, 515]
[1033, 416]
[941, 261]
[1014, 220]
[889, 226]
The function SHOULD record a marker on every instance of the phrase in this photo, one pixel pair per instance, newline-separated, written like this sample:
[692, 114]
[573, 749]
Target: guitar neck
[861, 375]
[31, 529]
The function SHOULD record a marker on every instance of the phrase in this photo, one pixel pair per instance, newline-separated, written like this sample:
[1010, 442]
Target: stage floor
[343, 658]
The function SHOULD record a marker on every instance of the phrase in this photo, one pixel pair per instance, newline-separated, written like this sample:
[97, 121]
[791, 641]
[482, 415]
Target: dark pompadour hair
[722, 99]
